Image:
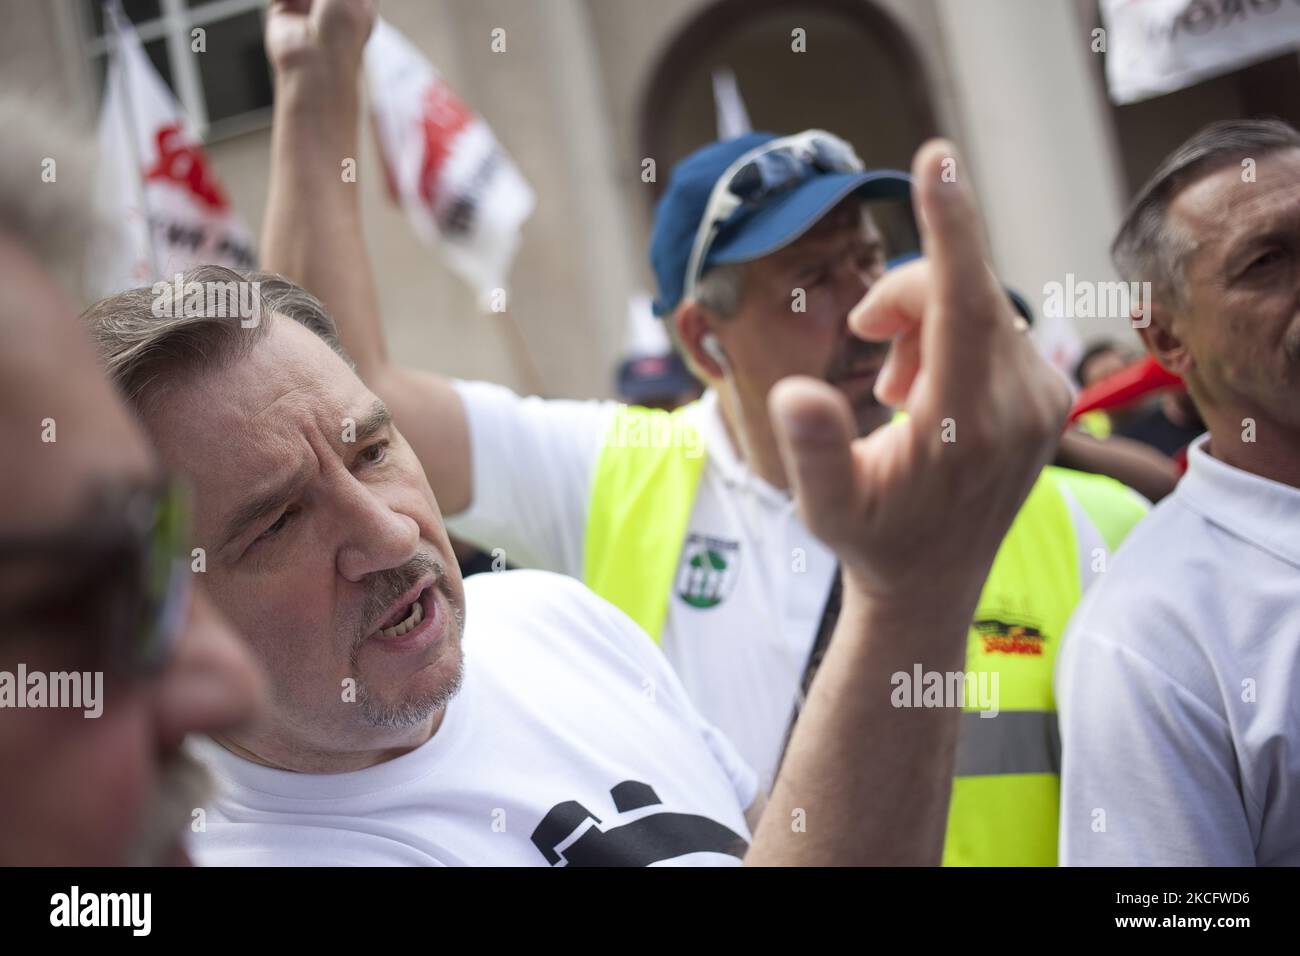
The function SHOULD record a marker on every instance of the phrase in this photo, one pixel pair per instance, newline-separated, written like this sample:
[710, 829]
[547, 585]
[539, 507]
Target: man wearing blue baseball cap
[778, 226]
[762, 247]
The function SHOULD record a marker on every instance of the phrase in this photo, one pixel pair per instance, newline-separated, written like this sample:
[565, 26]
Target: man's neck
[756, 447]
[1256, 444]
[269, 749]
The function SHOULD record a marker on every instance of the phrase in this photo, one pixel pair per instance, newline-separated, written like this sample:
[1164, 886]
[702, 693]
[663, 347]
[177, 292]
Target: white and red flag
[458, 187]
[162, 207]
[1158, 46]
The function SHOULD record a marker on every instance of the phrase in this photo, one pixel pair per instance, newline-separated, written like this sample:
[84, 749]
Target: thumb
[814, 433]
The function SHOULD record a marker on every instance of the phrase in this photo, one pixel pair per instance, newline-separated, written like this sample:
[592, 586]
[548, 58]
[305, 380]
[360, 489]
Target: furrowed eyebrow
[259, 506]
[820, 264]
[1280, 223]
[871, 247]
[374, 421]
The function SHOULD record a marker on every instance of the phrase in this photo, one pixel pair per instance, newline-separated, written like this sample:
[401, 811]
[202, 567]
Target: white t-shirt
[571, 742]
[738, 634]
[1179, 684]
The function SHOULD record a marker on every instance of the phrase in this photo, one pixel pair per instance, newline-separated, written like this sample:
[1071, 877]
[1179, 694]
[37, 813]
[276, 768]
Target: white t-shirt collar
[1256, 509]
[706, 416]
[399, 771]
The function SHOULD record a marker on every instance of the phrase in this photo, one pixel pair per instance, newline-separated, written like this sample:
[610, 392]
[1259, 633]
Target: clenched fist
[323, 35]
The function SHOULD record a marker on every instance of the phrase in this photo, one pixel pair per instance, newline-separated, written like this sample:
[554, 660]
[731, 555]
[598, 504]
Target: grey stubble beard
[407, 714]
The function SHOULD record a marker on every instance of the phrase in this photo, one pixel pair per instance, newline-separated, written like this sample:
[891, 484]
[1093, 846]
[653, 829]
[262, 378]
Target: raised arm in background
[1147, 471]
[312, 233]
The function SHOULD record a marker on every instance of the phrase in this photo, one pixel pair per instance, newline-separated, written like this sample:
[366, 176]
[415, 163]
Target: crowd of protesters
[839, 587]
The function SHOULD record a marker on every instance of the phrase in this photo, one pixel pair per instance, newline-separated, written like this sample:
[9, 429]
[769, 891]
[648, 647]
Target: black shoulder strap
[826, 627]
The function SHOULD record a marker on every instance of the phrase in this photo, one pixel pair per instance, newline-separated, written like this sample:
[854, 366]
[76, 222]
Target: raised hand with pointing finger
[915, 512]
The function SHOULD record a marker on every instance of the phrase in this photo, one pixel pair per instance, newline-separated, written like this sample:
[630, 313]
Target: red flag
[163, 207]
[1124, 387]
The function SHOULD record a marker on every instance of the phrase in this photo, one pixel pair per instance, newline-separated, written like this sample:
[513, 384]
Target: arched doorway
[860, 78]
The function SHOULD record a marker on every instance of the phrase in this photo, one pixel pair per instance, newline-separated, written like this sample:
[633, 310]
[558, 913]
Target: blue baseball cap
[755, 229]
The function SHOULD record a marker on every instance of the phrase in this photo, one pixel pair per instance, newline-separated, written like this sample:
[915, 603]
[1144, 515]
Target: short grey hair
[720, 289]
[144, 352]
[1146, 248]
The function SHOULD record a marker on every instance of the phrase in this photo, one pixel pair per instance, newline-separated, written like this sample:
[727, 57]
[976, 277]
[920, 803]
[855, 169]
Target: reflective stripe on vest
[1005, 798]
[1016, 741]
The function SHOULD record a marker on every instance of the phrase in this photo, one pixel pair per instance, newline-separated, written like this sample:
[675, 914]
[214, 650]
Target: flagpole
[114, 14]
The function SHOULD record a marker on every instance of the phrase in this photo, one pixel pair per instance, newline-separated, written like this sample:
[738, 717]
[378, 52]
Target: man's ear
[1159, 332]
[693, 322]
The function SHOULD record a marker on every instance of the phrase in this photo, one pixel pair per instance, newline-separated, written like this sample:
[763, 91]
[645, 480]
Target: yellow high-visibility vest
[1005, 798]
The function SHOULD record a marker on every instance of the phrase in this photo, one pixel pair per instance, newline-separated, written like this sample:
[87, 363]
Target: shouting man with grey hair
[762, 245]
[1180, 718]
[517, 718]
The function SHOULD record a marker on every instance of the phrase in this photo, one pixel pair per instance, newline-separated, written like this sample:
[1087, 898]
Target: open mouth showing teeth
[414, 615]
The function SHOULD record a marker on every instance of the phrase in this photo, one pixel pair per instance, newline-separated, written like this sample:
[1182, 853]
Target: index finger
[952, 236]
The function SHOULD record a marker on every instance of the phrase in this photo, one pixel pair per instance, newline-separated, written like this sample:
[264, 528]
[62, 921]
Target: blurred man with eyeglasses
[94, 567]
[686, 521]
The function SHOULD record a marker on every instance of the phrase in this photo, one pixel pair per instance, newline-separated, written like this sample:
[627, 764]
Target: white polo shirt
[1179, 684]
[740, 621]
[571, 743]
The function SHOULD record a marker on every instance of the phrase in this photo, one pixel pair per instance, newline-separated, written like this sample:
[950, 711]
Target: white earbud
[713, 349]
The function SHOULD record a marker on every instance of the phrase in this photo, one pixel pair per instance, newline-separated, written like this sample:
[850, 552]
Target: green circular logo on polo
[707, 572]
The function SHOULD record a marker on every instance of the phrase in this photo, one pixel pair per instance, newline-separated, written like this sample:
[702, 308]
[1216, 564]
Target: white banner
[1157, 46]
[155, 179]
[458, 187]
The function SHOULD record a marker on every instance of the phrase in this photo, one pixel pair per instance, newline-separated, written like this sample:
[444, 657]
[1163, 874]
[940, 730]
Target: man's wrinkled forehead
[265, 411]
[851, 216]
[1233, 201]
[850, 222]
